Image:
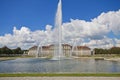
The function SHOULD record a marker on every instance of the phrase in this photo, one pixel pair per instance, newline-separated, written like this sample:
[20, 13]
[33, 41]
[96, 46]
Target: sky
[25, 23]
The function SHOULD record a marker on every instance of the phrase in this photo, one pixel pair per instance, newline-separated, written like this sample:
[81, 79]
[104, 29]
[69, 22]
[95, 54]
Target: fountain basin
[38, 65]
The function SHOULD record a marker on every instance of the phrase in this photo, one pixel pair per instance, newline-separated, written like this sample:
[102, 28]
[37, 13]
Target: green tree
[115, 50]
[6, 50]
[0, 50]
[17, 51]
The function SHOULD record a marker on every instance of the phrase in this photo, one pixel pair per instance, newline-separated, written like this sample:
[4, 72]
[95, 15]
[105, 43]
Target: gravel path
[59, 78]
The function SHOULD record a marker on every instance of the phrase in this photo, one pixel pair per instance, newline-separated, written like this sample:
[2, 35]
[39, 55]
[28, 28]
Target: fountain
[58, 52]
[39, 50]
[74, 48]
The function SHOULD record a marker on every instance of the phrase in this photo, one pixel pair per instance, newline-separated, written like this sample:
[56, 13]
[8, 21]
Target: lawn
[59, 74]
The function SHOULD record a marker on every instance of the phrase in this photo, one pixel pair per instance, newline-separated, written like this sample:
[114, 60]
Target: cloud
[111, 19]
[80, 28]
[102, 43]
[95, 30]
[20, 38]
[92, 33]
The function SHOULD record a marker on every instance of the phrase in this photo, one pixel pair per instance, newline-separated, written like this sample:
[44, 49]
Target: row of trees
[5, 51]
[113, 50]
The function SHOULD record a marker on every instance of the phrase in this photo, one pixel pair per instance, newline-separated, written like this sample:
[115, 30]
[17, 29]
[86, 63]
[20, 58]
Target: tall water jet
[58, 53]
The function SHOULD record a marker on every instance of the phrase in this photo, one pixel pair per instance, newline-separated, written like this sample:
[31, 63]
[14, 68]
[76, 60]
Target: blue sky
[35, 14]
[25, 23]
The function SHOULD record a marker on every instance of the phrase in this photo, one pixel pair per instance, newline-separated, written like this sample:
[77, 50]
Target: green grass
[60, 75]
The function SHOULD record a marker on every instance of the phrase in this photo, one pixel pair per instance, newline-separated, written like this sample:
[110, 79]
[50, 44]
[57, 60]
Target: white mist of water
[58, 53]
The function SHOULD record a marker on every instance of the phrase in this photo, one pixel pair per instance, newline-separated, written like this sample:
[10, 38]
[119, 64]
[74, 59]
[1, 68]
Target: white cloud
[117, 42]
[79, 28]
[84, 32]
[20, 38]
[102, 43]
[111, 19]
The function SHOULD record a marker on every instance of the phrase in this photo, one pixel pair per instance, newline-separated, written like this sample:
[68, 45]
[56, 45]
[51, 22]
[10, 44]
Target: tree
[115, 50]
[6, 50]
[17, 51]
[0, 50]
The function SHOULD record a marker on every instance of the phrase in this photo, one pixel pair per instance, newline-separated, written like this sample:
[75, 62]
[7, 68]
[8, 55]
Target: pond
[37, 65]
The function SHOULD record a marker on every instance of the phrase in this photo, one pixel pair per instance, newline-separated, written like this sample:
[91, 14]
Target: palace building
[67, 50]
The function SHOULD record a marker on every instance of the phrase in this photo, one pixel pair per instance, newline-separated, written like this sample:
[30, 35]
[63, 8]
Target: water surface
[37, 65]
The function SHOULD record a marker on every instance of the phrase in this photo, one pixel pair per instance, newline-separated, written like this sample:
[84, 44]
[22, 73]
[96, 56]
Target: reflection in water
[114, 67]
[37, 65]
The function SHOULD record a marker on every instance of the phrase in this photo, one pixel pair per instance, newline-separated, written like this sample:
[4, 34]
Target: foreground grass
[60, 75]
